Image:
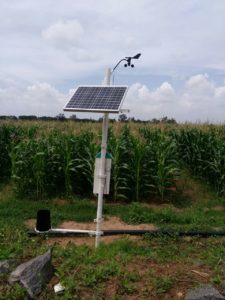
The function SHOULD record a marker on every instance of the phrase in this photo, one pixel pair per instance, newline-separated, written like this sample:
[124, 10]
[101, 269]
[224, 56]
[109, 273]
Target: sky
[49, 47]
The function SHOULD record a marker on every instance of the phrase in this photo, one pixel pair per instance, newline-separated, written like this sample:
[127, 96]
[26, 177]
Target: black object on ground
[43, 220]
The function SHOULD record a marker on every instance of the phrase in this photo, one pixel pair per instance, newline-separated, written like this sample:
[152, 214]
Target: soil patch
[60, 201]
[109, 223]
[30, 223]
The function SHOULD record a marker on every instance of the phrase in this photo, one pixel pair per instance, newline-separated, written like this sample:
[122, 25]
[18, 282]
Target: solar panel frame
[104, 99]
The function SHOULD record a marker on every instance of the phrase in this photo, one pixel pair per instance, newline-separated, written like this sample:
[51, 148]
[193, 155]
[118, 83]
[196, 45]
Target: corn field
[146, 162]
[10, 136]
[203, 152]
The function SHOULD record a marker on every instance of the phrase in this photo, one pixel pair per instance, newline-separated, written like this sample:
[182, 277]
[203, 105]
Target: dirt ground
[108, 224]
[186, 275]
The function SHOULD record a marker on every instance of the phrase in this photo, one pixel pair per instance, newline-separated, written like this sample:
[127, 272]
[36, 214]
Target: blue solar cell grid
[97, 99]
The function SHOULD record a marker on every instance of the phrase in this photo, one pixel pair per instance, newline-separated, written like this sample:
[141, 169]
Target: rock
[6, 266]
[34, 274]
[204, 293]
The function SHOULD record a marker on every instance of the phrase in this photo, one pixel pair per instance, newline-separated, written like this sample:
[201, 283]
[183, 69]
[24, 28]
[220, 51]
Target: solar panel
[97, 99]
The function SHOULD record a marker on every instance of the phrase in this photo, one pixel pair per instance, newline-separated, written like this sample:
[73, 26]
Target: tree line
[61, 117]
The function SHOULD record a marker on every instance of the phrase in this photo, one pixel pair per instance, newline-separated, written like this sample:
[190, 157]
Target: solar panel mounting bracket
[124, 110]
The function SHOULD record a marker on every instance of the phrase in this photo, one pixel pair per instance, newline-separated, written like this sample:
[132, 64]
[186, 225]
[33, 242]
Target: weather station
[104, 99]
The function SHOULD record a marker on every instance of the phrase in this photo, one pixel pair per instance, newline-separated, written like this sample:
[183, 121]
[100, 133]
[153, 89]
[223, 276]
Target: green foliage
[200, 216]
[162, 284]
[15, 292]
[143, 268]
[145, 164]
[100, 273]
[11, 244]
[203, 152]
[143, 167]
[137, 214]
[9, 137]
[54, 163]
[163, 160]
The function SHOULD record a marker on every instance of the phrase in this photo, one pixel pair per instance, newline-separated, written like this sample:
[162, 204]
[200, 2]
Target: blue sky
[48, 47]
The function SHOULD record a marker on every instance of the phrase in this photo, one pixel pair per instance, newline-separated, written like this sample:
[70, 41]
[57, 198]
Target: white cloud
[64, 34]
[220, 93]
[200, 86]
[200, 99]
[39, 99]
[65, 45]
[165, 93]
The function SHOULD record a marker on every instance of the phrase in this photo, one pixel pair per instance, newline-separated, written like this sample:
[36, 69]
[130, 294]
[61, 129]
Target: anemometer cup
[129, 65]
[43, 220]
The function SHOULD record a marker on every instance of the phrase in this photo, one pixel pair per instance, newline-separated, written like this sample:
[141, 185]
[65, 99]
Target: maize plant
[122, 177]
[22, 168]
[10, 136]
[162, 161]
[84, 160]
[142, 167]
[54, 165]
[203, 152]
[69, 164]
[5, 163]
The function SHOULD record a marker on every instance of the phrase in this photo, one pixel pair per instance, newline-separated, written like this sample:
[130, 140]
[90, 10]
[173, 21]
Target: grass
[162, 284]
[153, 268]
[204, 216]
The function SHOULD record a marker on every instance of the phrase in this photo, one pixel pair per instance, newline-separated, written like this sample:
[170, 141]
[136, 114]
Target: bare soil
[185, 275]
[109, 223]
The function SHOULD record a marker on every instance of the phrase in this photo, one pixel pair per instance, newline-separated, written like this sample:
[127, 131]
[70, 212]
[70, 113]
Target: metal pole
[102, 173]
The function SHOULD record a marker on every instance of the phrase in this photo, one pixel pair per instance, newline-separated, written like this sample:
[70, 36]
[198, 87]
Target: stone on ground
[204, 293]
[6, 266]
[34, 274]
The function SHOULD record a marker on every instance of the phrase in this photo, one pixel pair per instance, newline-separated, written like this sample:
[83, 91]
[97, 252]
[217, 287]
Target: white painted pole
[102, 172]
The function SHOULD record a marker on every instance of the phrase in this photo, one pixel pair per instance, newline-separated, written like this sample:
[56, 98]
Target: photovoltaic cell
[97, 99]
